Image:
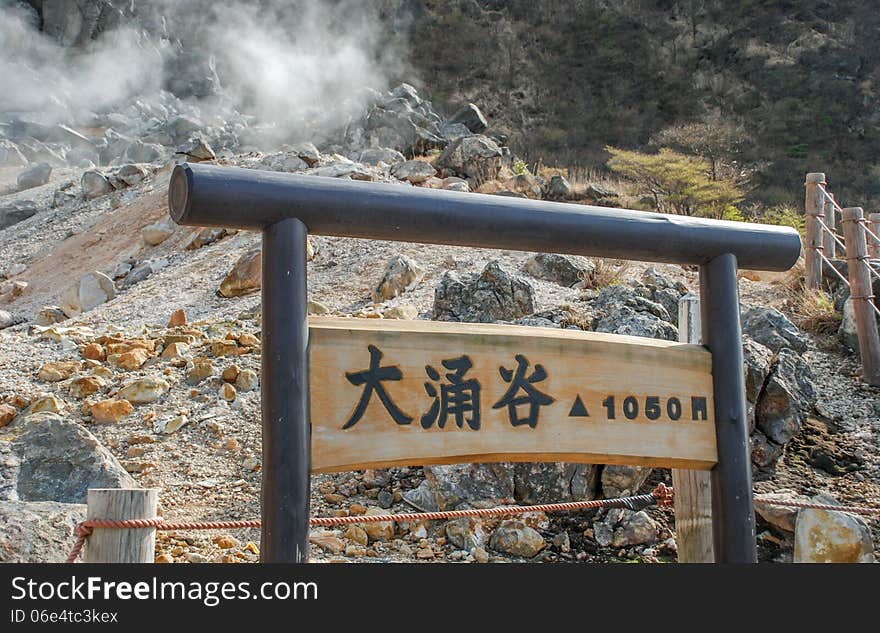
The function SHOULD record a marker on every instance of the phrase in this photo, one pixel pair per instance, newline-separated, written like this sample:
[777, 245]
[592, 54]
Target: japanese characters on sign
[417, 392]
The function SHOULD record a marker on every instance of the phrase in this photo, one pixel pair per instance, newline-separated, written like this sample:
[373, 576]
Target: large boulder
[89, 292]
[471, 117]
[37, 532]
[565, 270]
[414, 171]
[46, 457]
[493, 295]
[623, 528]
[477, 158]
[554, 482]
[772, 329]
[454, 484]
[623, 481]
[16, 212]
[830, 536]
[34, 176]
[788, 397]
[94, 184]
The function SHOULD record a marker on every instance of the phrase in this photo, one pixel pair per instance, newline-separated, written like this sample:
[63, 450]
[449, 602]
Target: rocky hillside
[130, 346]
[798, 79]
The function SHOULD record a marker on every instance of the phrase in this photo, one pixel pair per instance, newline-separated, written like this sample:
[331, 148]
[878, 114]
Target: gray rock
[829, 536]
[140, 152]
[138, 273]
[471, 117]
[283, 161]
[37, 532]
[772, 329]
[49, 315]
[34, 176]
[53, 459]
[631, 323]
[598, 192]
[758, 360]
[89, 292]
[422, 497]
[466, 483]
[307, 153]
[453, 131]
[132, 174]
[613, 299]
[16, 212]
[624, 528]
[788, 397]
[565, 270]
[516, 538]
[554, 482]
[182, 127]
[468, 533]
[493, 295]
[477, 158]
[668, 298]
[782, 517]
[376, 155]
[414, 171]
[401, 272]
[848, 331]
[7, 319]
[764, 453]
[95, 184]
[155, 234]
[355, 171]
[623, 481]
[62, 198]
[559, 188]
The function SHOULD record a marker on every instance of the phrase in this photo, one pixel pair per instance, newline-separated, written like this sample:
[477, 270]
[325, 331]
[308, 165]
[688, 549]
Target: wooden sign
[387, 392]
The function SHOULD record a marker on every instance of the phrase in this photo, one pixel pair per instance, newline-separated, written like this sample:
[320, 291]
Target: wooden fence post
[107, 545]
[693, 488]
[814, 207]
[874, 245]
[828, 242]
[862, 297]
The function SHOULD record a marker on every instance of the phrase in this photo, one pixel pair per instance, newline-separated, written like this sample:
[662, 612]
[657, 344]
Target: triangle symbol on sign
[578, 410]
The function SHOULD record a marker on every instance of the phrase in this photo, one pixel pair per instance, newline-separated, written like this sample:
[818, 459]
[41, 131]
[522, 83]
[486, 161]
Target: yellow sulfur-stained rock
[227, 392]
[224, 347]
[53, 372]
[111, 410]
[230, 374]
[85, 386]
[44, 403]
[130, 361]
[144, 390]
[7, 413]
[248, 340]
[178, 318]
[94, 351]
[175, 350]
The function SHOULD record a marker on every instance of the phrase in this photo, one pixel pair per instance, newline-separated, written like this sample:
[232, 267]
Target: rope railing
[662, 495]
[831, 233]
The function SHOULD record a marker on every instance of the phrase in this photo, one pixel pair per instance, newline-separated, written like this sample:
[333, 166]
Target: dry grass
[811, 310]
[607, 272]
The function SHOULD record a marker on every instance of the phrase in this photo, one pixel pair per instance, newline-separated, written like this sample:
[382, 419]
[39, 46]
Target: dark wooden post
[732, 503]
[285, 395]
[862, 297]
[814, 208]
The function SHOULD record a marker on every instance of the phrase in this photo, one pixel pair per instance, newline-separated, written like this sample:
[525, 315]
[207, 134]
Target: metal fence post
[732, 503]
[861, 293]
[814, 208]
[285, 395]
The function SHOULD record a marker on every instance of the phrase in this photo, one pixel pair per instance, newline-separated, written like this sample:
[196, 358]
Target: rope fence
[662, 495]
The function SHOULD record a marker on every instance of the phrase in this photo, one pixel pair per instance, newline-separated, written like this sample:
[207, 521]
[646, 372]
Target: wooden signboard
[387, 392]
